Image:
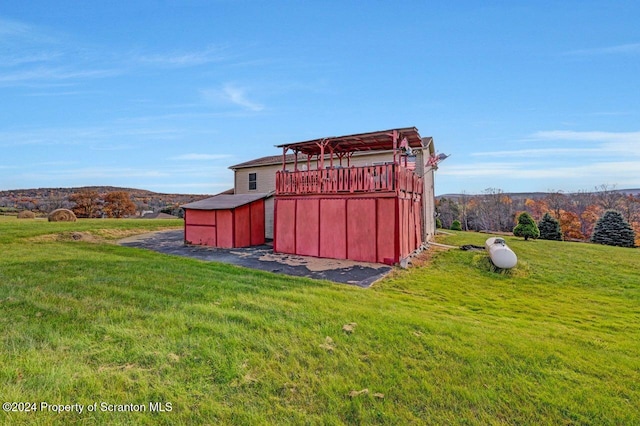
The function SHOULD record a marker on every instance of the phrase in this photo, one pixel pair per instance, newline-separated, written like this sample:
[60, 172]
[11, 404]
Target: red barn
[370, 213]
[225, 221]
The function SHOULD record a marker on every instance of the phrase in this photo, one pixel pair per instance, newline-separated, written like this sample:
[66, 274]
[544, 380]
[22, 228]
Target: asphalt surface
[263, 258]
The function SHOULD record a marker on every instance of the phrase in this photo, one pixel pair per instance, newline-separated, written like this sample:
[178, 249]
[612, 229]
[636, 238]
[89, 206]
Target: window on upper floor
[253, 181]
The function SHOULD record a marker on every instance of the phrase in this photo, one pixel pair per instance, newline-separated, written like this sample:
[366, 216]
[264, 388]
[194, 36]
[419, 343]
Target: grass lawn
[555, 341]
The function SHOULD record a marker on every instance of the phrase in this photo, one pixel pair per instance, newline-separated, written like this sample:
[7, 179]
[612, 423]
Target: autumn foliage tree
[537, 208]
[87, 203]
[589, 218]
[636, 229]
[571, 225]
[118, 204]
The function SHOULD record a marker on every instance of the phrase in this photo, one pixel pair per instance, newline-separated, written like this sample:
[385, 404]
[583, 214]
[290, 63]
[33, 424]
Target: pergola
[401, 141]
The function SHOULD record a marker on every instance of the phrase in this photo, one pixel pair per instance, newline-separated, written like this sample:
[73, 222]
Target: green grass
[555, 341]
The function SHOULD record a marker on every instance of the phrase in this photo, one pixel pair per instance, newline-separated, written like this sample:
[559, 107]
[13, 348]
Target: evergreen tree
[456, 226]
[549, 228]
[612, 230]
[526, 227]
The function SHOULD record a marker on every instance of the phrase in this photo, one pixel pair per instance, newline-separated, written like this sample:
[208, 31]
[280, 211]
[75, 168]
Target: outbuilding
[381, 212]
[226, 221]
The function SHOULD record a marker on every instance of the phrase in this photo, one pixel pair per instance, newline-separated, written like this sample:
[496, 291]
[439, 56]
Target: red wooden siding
[307, 227]
[386, 236]
[285, 226]
[361, 229]
[225, 228]
[201, 229]
[257, 226]
[333, 228]
[381, 229]
[242, 226]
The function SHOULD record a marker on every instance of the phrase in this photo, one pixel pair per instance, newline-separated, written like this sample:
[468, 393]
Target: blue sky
[165, 95]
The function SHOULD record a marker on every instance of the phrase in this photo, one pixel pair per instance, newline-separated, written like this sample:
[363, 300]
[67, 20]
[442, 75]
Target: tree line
[577, 213]
[89, 204]
[43, 201]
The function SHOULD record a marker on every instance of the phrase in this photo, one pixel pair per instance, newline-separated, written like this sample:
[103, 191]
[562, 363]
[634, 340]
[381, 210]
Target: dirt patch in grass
[116, 234]
[421, 260]
[316, 264]
[425, 257]
[67, 236]
[95, 236]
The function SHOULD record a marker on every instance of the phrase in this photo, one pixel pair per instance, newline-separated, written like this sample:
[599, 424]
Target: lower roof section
[226, 201]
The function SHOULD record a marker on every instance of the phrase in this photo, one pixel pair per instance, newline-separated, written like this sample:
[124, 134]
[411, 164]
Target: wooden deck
[367, 179]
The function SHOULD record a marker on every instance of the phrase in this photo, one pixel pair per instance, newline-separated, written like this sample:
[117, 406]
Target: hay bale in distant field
[26, 214]
[62, 215]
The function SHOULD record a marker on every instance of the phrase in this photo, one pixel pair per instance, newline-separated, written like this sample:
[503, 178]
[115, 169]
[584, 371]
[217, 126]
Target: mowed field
[137, 337]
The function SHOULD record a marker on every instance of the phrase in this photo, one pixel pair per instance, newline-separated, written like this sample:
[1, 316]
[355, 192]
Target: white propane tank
[500, 253]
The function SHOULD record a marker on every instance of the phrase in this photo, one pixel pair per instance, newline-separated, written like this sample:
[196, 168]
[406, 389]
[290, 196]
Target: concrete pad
[262, 257]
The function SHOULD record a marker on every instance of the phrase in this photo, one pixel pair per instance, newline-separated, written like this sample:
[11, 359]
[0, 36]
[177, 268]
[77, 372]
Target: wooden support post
[284, 158]
[321, 145]
[394, 135]
[330, 156]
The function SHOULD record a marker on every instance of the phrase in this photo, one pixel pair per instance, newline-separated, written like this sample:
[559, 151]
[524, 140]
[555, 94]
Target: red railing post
[388, 177]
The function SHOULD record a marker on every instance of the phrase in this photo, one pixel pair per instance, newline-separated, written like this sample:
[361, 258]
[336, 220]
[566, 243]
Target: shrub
[612, 230]
[526, 227]
[438, 223]
[549, 228]
[26, 214]
[456, 226]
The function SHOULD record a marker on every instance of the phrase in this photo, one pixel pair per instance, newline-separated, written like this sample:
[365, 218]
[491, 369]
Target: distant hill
[48, 199]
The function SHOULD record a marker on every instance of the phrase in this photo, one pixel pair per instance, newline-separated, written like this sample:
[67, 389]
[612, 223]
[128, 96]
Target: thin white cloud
[184, 59]
[590, 143]
[31, 55]
[11, 30]
[232, 94]
[625, 143]
[591, 136]
[96, 172]
[99, 138]
[541, 152]
[187, 185]
[199, 157]
[611, 170]
[54, 74]
[13, 60]
[60, 93]
[620, 49]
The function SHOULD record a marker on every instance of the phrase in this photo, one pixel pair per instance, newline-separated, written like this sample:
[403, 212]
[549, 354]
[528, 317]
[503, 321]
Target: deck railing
[381, 178]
